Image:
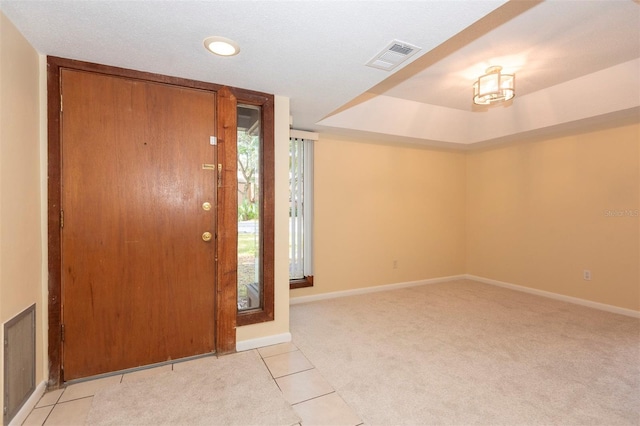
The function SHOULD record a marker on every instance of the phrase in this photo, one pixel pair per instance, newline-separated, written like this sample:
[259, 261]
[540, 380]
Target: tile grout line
[283, 353]
[51, 410]
[291, 374]
[47, 418]
[315, 397]
[74, 399]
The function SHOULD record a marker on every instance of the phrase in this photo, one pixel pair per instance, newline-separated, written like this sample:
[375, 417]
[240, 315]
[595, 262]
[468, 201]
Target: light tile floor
[302, 385]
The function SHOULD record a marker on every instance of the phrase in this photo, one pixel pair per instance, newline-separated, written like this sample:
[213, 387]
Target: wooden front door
[138, 277]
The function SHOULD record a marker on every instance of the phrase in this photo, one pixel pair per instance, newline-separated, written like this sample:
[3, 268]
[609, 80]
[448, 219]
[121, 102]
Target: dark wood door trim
[54, 237]
[226, 302]
[228, 99]
[227, 237]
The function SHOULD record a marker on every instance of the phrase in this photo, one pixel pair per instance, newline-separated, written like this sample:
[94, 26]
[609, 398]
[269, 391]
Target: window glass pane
[300, 208]
[249, 279]
[296, 213]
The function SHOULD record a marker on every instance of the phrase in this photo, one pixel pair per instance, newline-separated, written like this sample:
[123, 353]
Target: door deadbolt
[206, 206]
[206, 236]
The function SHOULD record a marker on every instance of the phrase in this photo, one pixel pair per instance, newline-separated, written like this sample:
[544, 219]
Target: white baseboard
[557, 296]
[386, 287]
[24, 412]
[245, 345]
[543, 293]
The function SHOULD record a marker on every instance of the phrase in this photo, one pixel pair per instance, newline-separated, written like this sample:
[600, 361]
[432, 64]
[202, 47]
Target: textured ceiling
[314, 53]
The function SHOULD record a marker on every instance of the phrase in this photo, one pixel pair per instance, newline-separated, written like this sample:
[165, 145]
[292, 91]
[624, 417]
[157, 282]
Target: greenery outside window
[255, 221]
[248, 154]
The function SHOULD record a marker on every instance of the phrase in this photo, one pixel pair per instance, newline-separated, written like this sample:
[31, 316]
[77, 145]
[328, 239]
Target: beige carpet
[464, 353]
[231, 390]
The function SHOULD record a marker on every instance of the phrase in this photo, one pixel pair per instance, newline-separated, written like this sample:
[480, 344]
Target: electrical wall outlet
[586, 275]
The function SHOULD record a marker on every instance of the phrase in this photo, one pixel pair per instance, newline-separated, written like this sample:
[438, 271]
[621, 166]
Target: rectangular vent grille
[393, 55]
[19, 362]
[402, 49]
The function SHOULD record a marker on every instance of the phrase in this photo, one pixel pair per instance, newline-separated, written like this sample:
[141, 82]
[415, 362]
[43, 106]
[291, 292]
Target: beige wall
[533, 214]
[21, 240]
[376, 204]
[537, 215]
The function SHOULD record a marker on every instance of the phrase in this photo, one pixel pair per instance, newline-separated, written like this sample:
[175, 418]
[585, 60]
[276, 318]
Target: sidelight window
[254, 186]
[249, 193]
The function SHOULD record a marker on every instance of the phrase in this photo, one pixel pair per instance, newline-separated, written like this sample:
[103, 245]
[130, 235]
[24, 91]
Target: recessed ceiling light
[221, 46]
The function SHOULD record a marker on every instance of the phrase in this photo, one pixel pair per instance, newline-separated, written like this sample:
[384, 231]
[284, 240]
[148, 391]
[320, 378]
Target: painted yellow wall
[21, 241]
[376, 204]
[280, 324]
[540, 213]
[534, 214]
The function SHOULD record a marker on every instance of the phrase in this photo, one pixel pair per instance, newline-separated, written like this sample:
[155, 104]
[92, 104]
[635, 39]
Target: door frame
[226, 125]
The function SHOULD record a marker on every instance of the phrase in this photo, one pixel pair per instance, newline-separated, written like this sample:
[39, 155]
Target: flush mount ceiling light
[221, 46]
[494, 87]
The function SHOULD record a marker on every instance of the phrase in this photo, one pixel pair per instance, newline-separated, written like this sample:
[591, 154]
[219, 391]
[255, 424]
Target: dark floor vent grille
[19, 362]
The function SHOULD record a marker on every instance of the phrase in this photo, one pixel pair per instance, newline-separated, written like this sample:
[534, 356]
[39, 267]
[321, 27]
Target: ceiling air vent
[393, 55]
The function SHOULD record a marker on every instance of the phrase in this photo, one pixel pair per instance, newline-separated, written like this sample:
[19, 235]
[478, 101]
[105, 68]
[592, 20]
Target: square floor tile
[70, 413]
[88, 388]
[303, 386]
[203, 363]
[38, 416]
[287, 363]
[327, 410]
[282, 348]
[49, 398]
[146, 373]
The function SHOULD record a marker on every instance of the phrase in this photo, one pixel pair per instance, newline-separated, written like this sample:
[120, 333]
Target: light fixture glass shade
[494, 87]
[221, 46]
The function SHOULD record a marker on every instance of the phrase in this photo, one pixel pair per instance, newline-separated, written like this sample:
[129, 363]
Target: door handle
[206, 236]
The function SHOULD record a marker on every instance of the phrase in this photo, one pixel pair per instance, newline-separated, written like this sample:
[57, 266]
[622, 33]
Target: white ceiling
[576, 62]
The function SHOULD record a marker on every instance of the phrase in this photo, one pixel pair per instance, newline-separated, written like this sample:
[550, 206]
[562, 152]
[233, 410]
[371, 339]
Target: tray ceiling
[576, 63]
